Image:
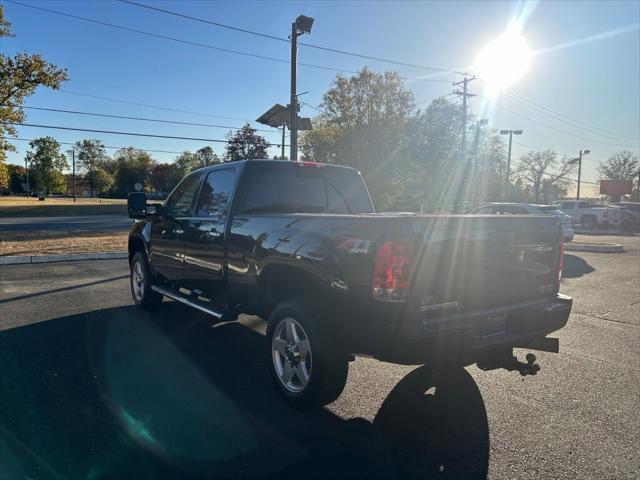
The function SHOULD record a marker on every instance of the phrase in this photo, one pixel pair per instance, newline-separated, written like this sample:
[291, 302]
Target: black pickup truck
[299, 244]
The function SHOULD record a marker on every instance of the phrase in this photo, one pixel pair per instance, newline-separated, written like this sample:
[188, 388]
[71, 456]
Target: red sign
[616, 187]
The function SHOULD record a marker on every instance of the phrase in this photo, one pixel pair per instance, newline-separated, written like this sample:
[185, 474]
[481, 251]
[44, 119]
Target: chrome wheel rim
[291, 353]
[137, 281]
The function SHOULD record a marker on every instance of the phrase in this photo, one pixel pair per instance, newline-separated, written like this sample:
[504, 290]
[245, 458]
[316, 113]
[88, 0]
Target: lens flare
[504, 60]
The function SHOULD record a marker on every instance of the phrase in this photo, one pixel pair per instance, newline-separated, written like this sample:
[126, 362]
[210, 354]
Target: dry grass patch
[60, 206]
[61, 242]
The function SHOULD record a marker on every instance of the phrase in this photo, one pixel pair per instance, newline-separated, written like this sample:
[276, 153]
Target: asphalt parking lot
[92, 388]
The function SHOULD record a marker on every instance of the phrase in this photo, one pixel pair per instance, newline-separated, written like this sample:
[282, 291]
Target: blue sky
[595, 82]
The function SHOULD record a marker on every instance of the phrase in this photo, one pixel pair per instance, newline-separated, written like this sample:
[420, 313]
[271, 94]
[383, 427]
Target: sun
[504, 60]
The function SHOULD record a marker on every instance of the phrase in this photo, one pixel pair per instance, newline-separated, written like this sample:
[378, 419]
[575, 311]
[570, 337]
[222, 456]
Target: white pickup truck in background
[591, 216]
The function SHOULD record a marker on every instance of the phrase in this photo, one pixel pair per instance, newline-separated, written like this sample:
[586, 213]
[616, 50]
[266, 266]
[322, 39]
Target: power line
[144, 119]
[147, 105]
[565, 118]
[199, 44]
[555, 128]
[282, 39]
[105, 146]
[134, 134]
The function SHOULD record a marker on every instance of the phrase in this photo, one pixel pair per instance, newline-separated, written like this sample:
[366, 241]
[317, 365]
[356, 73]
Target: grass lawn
[55, 207]
[42, 242]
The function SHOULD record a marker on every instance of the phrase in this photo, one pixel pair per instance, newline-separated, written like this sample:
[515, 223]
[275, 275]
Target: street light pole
[293, 114]
[582, 152]
[301, 26]
[511, 133]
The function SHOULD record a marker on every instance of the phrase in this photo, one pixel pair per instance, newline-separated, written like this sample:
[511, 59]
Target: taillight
[392, 272]
[560, 261]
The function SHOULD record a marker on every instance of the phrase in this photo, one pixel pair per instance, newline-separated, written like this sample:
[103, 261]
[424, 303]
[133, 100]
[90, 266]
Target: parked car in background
[591, 216]
[631, 217]
[528, 209]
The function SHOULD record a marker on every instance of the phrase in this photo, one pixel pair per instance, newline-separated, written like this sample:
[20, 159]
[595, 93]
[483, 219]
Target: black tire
[327, 375]
[141, 291]
[589, 222]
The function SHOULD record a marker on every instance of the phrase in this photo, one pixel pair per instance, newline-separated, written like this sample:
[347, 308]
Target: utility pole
[282, 149]
[579, 161]
[511, 133]
[73, 173]
[465, 94]
[26, 167]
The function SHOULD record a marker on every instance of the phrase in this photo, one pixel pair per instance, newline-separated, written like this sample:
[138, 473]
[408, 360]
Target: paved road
[75, 222]
[93, 388]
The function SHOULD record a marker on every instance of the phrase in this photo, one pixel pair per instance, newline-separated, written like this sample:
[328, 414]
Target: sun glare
[504, 60]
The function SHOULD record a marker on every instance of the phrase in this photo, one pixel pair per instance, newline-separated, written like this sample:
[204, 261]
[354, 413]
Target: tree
[91, 155]
[622, 165]
[20, 76]
[133, 166]
[206, 157]
[165, 176]
[100, 181]
[246, 144]
[47, 163]
[429, 173]
[17, 179]
[188, 161]
[544, 174]
[363, 124]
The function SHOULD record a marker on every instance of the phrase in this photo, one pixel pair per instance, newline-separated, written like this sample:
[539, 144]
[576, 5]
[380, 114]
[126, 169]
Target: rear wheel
[141, 281]
[589, 222]
[307, 368]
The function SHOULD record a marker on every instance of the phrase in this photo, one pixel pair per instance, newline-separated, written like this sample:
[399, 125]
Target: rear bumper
[464, 339]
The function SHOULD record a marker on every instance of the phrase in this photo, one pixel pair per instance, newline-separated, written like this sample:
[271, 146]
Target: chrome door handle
[178, 231]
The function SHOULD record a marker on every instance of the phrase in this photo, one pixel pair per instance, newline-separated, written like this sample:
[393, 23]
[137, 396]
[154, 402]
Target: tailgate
[469, 263]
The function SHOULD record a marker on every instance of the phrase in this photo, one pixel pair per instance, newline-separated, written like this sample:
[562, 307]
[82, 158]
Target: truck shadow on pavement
[118, 393]
[574, 266]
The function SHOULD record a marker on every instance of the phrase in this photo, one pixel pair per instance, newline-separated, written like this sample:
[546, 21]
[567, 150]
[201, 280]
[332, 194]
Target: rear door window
[305, 190]
[216, 192]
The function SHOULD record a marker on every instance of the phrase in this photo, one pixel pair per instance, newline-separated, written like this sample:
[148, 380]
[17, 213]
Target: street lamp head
[517, 132]
[304, 24]
[584, 152]
[504, 132]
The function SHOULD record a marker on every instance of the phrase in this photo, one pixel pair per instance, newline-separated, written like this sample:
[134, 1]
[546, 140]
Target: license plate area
[492, 325]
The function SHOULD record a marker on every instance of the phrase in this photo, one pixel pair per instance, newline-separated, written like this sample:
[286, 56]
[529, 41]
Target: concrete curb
[594, 247]
[73, 257]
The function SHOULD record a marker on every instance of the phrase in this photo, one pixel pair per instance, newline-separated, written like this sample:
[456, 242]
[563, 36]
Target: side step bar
[188, 301]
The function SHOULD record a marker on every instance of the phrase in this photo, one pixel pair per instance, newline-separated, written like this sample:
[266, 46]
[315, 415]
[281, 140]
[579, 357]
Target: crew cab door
[205, 232]
[167, 231]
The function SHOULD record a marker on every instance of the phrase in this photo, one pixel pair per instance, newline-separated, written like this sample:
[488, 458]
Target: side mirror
[137, 204]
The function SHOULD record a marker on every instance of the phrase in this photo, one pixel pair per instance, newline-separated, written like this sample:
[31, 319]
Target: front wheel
[307, 368]
[141, 278]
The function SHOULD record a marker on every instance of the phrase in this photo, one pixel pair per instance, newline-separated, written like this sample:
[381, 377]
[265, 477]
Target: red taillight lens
[392, 272]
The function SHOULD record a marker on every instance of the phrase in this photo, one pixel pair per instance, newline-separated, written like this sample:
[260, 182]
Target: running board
[188, 301]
